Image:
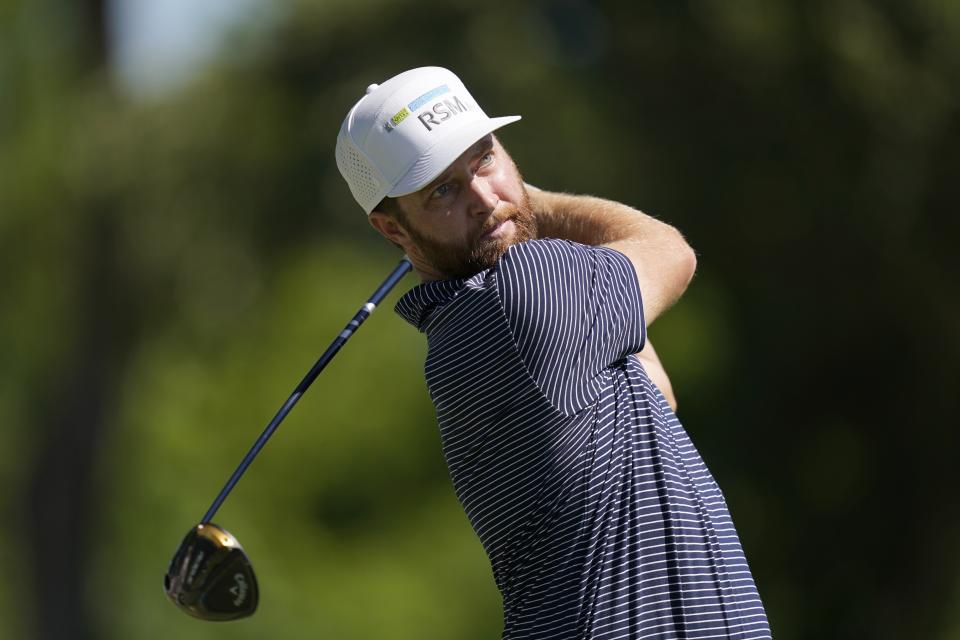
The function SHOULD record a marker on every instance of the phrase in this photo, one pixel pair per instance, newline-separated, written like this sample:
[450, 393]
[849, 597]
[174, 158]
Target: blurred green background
[175, 253]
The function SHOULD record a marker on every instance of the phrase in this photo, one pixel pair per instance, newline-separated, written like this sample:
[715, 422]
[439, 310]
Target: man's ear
[387, 226]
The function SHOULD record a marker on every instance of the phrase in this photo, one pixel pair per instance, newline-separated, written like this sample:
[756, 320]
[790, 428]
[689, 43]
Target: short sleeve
[575, 311]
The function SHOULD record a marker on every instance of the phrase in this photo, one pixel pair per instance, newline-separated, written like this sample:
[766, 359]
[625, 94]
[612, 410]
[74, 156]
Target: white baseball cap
[405, 132]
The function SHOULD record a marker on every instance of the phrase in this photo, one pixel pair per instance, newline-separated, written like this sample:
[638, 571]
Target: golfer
[598, 515]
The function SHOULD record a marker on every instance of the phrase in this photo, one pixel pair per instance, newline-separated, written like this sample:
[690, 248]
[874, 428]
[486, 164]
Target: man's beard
[458, 261]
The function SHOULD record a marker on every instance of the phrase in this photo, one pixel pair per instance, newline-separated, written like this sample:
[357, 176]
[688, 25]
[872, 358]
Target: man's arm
[651, 362]
[663, 260]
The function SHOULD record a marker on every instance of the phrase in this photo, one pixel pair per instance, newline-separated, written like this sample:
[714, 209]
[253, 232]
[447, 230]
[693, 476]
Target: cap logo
[401, 115]
[441, 111]
[429, 95]
[396, 119]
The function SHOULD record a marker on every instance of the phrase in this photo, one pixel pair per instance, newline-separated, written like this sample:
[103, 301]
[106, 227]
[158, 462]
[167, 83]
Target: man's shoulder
[534, 270]
[552, 255]
[542, 247]
[537, 255]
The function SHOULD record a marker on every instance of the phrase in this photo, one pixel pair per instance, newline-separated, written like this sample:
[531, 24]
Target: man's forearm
[658, 374]
[587, 219]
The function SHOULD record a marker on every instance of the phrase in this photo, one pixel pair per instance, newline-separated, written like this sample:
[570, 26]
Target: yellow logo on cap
[397, 119]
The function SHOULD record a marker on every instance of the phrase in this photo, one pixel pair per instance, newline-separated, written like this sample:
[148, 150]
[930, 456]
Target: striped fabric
[599, 516]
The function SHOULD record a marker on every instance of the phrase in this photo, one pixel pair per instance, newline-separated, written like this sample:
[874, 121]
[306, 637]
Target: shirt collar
[415, 305]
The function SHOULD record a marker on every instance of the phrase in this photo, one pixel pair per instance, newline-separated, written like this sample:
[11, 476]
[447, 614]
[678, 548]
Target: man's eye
[486, 159]
[442, 190]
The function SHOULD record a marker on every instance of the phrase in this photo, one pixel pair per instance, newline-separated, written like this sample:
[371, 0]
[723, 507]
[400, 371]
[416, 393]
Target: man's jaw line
[501, 232]
[504, 226]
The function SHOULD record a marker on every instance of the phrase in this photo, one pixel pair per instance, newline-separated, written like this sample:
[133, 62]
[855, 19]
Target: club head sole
[210, 576]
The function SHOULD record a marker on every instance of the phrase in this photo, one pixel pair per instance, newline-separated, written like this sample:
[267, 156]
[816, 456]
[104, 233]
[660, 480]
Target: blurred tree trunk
[94, 37]
[62, 506]
[71, 417]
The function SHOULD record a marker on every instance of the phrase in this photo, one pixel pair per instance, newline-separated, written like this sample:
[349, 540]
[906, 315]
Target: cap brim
[436, 159]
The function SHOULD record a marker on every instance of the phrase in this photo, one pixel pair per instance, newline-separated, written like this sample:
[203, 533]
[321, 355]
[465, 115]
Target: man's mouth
[496, 229]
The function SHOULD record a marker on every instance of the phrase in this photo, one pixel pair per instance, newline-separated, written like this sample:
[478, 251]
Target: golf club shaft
[327, 356]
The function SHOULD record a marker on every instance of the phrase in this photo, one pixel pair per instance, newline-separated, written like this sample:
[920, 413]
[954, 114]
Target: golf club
[210, 576]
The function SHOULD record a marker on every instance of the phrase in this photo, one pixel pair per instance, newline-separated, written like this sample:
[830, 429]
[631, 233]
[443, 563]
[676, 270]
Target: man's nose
[483, 197]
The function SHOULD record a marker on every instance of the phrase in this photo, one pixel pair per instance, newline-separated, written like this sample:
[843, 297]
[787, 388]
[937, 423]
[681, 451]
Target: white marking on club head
[239, 589]
[196, 566]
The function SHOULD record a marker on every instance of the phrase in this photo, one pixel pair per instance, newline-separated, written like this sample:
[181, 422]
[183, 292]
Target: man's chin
[512, 232]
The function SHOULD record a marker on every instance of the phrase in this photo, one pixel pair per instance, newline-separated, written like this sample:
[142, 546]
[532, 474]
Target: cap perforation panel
[361, 176]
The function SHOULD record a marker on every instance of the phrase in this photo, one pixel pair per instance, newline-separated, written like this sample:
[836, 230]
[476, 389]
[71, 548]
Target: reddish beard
[462, 261]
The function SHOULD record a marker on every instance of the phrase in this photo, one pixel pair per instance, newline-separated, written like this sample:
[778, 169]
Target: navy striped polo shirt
[598, 515]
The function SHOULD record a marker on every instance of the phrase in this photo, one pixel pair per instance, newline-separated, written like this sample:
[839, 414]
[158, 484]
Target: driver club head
[210, 576]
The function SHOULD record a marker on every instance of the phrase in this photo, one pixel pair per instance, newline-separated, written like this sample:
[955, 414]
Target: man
[597, 513]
